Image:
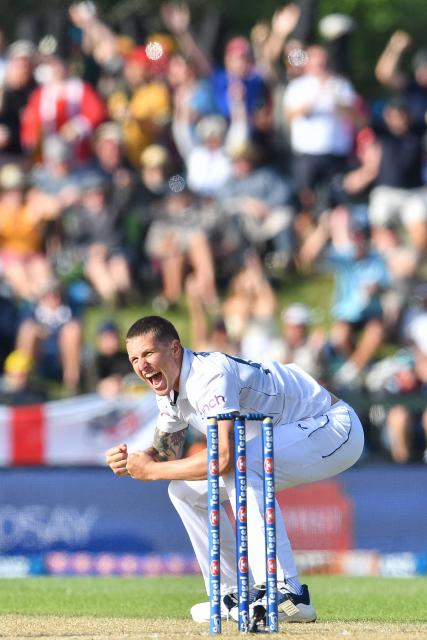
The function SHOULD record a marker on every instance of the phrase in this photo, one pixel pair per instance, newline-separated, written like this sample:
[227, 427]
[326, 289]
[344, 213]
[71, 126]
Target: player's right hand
[116, 458]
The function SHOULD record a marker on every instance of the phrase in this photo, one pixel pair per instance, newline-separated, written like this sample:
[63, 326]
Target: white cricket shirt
[212, 383]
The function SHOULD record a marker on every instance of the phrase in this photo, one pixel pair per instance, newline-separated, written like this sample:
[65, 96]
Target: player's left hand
[140, 465]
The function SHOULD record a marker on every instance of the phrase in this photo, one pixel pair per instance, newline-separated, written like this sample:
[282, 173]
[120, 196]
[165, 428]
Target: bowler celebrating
[316, 436]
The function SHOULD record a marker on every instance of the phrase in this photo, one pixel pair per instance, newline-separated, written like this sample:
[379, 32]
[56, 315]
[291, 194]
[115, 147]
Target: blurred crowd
[169, 163]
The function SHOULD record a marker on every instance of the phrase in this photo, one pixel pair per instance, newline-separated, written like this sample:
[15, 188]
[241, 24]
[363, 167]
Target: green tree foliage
[375, 20]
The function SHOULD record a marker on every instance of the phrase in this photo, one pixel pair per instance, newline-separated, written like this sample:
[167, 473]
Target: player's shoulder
[209, 362]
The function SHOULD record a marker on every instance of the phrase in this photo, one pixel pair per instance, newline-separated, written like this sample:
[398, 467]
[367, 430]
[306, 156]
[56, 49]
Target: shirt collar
[187, 359]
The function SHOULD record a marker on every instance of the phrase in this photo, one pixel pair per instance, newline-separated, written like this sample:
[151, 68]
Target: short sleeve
[169, 423]
[218, 394]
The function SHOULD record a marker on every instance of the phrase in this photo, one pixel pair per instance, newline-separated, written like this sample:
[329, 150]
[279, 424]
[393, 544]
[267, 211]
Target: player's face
[157, 363]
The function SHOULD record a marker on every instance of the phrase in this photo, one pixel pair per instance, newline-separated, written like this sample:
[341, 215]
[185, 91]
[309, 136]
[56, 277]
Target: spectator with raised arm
[413, 87]
[361, 275]
[238, 66]
[398, 195]
[319, 109]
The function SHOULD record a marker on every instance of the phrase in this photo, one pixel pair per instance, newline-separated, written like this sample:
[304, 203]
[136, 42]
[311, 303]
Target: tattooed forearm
[169, 446]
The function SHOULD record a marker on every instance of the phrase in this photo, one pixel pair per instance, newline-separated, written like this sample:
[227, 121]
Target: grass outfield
[389, 608]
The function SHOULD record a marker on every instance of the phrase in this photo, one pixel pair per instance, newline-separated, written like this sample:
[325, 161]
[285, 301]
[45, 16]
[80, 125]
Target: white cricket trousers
[304, 451]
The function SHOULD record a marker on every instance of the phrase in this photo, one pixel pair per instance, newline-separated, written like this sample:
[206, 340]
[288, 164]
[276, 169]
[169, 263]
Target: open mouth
[155, 379]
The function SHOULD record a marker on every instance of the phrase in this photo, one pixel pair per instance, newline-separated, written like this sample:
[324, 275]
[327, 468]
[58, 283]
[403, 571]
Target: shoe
[229, 606]
[293, 607]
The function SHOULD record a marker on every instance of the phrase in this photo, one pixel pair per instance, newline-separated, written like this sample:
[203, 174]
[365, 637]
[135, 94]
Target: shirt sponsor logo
[214, 402]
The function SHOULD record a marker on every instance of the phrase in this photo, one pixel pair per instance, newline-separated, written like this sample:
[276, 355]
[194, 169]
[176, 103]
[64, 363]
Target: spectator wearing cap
[91, 244]
[361, 276]
[238, 73]
[156, 169]
[205, 154]
[111, 163]
[17, 85]
[299, 345]
[23, 219]
[63, 105]
[51, 337]
[16, 386]
[398, 195]
[413, 86]
[55, 176]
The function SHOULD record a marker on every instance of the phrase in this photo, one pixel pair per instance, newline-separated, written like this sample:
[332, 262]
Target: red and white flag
[75, 431]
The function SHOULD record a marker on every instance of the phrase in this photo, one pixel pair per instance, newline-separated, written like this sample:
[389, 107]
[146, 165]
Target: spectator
[142, 106]
[249, 311]
[92, 245]
[319, 108]
[9, 319]
[16, 87]
[207, 160]
[51, 338]
[238, 73]
[405, 429]
[55, 175]
[121, 179]
[177, 241]
[361, 276]
[184, 80]
[24, 214]
[398, 195]
[111, 363]
[270, 41]
[390, 74]
[239, 70]
[298, 345]
[403, 263]
[262, 201]
[62, 105]
[207, 329]
[16, 387]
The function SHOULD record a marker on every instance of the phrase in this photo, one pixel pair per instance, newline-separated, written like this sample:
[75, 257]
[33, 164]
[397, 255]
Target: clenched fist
[116, 458]
[140, 464]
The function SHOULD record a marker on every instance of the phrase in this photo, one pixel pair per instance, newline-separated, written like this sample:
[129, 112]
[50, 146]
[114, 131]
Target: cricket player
[316, 436]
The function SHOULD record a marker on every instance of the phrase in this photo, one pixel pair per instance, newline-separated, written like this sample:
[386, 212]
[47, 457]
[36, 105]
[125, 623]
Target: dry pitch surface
[88, 628]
